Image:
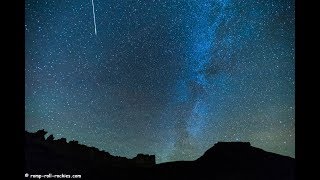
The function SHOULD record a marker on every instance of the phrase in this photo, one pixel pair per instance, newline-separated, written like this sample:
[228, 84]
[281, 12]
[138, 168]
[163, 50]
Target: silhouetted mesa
[227, 150]
[246, 161]
[225, 160]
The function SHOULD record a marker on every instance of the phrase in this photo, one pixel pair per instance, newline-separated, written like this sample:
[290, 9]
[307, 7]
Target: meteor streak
[94, 18]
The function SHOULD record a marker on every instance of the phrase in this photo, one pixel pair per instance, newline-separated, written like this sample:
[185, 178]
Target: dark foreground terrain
[225, 160]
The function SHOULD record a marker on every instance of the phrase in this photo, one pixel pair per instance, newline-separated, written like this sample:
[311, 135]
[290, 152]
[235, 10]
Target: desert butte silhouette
[225, 160]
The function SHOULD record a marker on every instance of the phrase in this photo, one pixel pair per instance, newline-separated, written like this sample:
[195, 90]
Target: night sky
[163, 77]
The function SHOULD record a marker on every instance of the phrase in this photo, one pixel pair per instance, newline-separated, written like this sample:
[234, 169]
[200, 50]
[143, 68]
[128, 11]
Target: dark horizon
[72, 140]
[224, 160]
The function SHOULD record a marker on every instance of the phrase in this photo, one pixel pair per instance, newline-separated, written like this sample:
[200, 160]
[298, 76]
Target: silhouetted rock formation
[49, 155]
[241, 158]
[50, 138]
[225, 160]
[233, 160]
[73, 142]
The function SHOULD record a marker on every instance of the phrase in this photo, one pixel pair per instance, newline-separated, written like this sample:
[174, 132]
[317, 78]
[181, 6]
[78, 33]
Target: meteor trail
[94, 18]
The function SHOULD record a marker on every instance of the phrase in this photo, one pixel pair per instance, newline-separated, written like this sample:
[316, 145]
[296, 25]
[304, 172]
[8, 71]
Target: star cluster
[163, 77]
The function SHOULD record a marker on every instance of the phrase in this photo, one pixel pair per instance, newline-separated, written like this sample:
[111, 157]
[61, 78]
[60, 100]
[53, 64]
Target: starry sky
[163, 77]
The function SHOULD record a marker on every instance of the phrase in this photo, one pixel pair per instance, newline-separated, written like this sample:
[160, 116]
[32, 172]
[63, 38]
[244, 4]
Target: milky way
[163, 77]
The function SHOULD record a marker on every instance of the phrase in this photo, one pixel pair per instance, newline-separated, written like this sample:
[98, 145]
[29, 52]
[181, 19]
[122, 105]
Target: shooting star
[94, 18]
